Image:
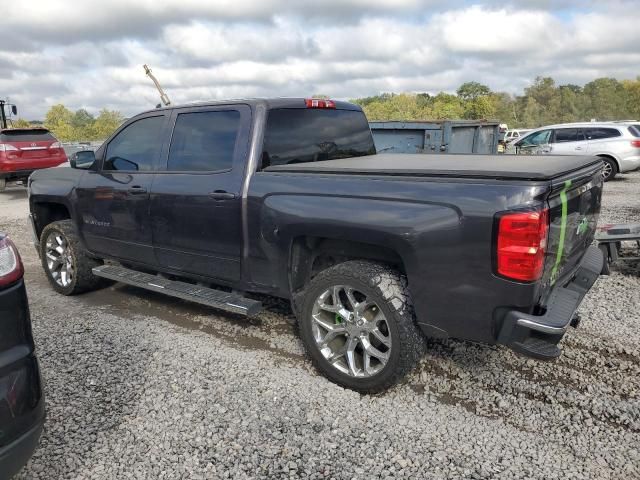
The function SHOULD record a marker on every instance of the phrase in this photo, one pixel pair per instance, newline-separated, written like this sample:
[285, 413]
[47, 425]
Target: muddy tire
[357, 323]
[66, 264]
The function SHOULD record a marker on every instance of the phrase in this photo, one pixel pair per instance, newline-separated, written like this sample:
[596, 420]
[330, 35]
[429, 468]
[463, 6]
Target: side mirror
[83, 159]
[14, 109]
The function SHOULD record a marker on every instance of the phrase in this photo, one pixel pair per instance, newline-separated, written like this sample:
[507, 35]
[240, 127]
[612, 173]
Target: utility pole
[163, 96]
[3, 117]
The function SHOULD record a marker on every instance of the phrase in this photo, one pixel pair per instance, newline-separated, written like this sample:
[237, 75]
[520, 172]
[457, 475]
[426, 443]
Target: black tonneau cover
[522, 167]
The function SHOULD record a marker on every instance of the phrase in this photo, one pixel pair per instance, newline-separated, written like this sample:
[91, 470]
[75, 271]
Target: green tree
[472, 90]
[21, 123]
[607, 99]
[82, 124]
[58, 120]
[106, 123]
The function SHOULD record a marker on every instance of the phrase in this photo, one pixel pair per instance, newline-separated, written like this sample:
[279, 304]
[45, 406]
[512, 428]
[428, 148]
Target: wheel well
[615, 161]
[311, 255]
[46, 213]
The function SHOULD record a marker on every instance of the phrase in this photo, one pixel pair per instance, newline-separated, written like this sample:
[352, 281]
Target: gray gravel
[143, 386]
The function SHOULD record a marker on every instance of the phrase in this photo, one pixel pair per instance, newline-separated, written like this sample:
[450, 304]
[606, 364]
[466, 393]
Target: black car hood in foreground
[517, 167]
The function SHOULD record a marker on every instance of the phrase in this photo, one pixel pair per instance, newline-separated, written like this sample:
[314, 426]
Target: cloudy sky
[89, 53]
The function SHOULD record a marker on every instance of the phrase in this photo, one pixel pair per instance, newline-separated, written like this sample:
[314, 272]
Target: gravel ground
[143, 386]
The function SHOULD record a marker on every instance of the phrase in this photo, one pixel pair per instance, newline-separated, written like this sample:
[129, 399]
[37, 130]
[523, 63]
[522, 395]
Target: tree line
[543, 103]
[69, 126]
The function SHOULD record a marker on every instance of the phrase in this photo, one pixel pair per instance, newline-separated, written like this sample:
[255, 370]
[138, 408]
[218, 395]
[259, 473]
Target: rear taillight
[5, 147]
[319, 103]
[11, 269]
[635, 143]
[521, 245]
[55, 145]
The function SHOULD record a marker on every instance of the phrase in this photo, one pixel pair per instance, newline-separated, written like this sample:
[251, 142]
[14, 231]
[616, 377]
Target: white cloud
[91, 56]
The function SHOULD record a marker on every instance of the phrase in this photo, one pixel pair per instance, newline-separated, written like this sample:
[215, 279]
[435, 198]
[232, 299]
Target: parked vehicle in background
[513, 135]
[288, 197]
[21, 398]
[25, 150]
[617, 143]
[437, 136]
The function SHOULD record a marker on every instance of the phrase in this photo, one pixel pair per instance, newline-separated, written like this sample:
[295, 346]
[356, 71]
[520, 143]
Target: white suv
[618, 143]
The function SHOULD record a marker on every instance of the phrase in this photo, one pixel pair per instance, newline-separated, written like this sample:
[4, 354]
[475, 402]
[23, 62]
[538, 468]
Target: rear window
[635, 130]
[311, 135]
[600, 133]
[26, 136]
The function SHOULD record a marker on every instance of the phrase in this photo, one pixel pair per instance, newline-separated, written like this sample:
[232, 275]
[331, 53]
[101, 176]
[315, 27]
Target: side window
[538, 138]
[600, 133]
[568, 135]
[204, 141]
[136, 147]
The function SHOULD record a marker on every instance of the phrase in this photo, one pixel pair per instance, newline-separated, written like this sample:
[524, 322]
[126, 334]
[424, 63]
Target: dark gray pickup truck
[216, 202]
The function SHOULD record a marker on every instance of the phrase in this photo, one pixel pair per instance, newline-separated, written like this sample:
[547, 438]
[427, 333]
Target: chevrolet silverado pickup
[218, 202]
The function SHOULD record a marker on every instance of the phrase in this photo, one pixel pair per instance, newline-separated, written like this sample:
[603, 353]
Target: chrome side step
[229, 302]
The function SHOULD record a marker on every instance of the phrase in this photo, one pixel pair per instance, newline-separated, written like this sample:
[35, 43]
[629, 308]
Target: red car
[24, 150]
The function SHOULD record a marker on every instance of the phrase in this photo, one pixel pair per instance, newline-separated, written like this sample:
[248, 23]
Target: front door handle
[578, 148]
[222, 195]
[137, 190]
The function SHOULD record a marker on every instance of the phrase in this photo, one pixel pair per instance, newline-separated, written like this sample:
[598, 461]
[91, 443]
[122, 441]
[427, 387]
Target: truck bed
[516, 167]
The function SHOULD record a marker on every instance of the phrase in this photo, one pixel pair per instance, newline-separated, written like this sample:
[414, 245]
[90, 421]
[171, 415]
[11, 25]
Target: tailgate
[574, 206]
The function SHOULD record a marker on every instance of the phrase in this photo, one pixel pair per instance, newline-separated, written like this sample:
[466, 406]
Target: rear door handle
[222, 195]
[137, 190]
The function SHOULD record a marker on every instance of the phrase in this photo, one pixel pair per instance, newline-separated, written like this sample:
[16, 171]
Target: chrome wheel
[351, 332]
[607, 170]
[59, 259]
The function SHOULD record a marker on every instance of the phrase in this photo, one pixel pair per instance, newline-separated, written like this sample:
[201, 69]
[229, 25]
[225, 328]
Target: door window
[136, 147]
[204, 141]
[538, 138]
[568, 135]
[601, 133]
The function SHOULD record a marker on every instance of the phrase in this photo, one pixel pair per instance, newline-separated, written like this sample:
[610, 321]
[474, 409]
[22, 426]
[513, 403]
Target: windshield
[17, 135]
[295, 135]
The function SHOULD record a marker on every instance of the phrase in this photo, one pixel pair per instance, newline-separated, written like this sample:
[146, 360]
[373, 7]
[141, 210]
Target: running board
[229, 302]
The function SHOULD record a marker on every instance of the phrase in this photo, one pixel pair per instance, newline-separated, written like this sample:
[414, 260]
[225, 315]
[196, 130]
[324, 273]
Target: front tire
[357, 323]
[66, 264]
[610, 169]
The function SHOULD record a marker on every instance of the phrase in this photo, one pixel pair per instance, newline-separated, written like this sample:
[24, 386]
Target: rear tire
[610, 169]
[66, 264]
[371, 345]
[3, 184]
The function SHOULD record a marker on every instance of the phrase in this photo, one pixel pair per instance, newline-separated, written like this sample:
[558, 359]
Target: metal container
[441, 136]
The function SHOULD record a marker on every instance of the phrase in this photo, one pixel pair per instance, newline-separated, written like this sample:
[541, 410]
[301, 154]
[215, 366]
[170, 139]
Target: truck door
[113, 201]
[568, 141]
[196, 196]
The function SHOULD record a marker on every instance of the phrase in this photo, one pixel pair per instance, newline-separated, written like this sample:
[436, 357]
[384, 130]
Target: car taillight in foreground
[11, 269]
[635, 143]
[55, 145]
[319, 103]
[5, 147]
[521, 244]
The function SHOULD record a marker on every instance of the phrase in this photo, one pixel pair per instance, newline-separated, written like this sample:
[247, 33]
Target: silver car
[618, 143]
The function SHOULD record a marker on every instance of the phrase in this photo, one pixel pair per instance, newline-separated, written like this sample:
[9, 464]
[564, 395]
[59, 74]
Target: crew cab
[287, 197]
[25, 150]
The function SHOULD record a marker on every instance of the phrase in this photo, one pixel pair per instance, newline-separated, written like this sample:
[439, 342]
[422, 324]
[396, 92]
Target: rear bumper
[15, 455]
[21, 398]
[630, 163]
[16, 175]
[538, 335]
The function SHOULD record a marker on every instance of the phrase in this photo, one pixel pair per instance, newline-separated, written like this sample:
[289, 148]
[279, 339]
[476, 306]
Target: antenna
[163, 96]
